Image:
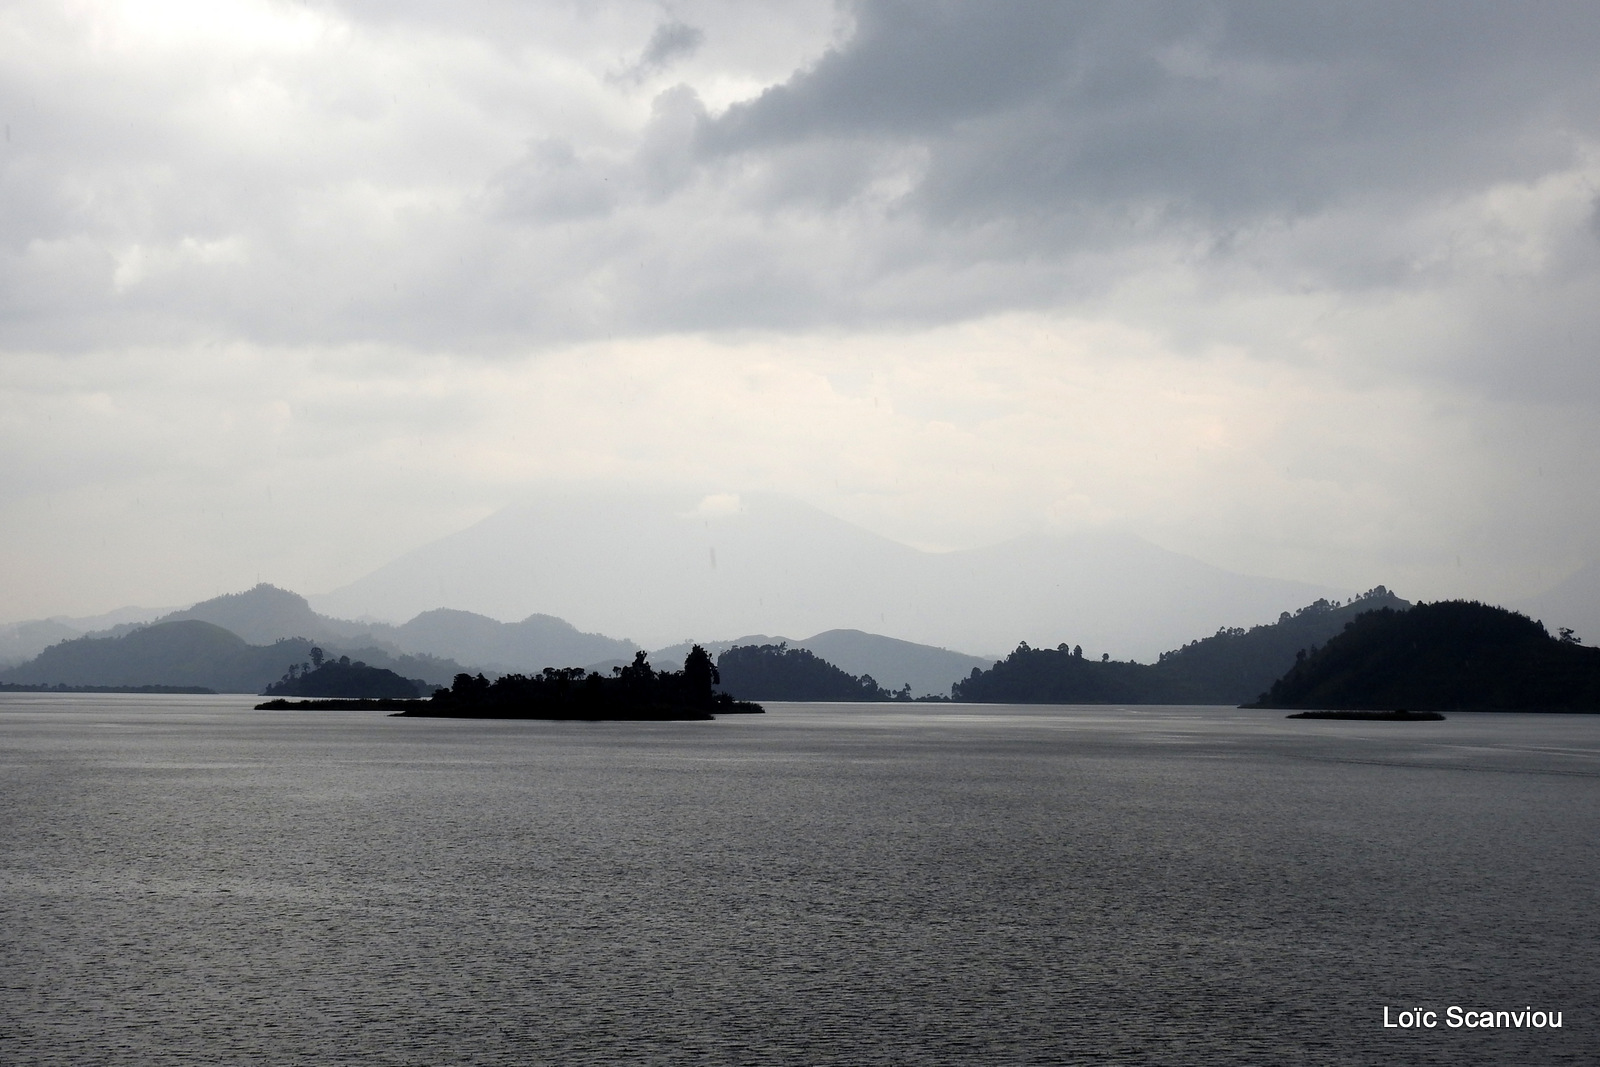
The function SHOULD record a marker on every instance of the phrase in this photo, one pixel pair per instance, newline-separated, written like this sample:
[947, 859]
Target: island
[342, 678]
[1398, 715]
[633, 693]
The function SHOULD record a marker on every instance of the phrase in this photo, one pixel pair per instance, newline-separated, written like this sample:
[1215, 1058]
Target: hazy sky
[1309, 291]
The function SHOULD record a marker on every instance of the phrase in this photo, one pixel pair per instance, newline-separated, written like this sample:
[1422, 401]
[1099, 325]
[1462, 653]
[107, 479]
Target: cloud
[1367, 232]
[671, 41]
[479, 180]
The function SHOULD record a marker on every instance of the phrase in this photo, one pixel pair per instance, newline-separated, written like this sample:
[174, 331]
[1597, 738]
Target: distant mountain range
[434, 646]
[666, 568]
[193, 647]
[675, 569]
[191, 652]
[20, 641]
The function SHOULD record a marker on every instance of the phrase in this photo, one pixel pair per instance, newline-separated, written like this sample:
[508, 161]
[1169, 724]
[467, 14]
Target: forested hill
[1235, 665]
[778, 672]
[1452, 655]
[1230, 667]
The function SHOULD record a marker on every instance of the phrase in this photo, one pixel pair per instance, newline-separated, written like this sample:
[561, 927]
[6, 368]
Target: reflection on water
[183, 878]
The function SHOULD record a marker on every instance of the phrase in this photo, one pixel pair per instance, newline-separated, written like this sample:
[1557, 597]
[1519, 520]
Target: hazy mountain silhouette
[662, 566]
[265, 614]
[195, 652]
[1452, 655]
[536, 642]
[21, 641]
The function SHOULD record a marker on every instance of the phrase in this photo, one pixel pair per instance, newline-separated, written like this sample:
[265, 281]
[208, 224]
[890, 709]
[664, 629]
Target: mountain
[190, 652]
[21, 641]
[893, 663]
[778, 672]
[1452, 655]
[1230, 667]
[195, 652]
[536, 642]
[266, 613]
[666, 567]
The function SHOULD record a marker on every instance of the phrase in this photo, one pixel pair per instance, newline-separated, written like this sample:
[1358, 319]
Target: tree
[699, 674]
[316, 657]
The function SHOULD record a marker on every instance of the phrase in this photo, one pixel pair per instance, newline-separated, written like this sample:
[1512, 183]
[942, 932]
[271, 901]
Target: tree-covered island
[637, 692]
[340, 678]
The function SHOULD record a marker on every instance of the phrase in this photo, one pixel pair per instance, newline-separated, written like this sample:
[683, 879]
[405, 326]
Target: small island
[344, 679]
[634, 693]
[1398, 715]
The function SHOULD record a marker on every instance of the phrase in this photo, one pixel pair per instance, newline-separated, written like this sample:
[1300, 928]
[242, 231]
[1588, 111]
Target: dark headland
[1454, 655]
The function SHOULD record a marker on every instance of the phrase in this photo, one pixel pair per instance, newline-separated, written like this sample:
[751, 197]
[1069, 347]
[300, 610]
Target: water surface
[183, 879]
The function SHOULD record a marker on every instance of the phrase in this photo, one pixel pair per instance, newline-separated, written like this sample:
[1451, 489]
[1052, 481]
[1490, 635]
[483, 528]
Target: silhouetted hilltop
[1231, 666]
[1573, 602]
[343, 678]
[636, 692]
[265, 613]
[778, 672]
[195, 653]
[1452, 655]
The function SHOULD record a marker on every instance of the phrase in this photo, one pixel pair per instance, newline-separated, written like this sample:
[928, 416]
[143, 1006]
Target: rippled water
[186, 880]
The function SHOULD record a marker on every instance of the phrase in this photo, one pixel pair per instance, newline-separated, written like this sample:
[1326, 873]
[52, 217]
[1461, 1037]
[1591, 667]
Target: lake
[184, 879]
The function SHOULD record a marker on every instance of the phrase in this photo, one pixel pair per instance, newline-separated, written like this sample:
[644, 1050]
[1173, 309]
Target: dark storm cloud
[1220, 110]
[477, 177]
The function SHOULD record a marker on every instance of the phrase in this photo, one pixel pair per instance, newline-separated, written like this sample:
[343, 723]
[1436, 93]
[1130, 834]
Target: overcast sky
[1309, 291]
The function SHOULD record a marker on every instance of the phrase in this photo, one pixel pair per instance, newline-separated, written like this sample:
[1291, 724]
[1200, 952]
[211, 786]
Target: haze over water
[184, 879]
